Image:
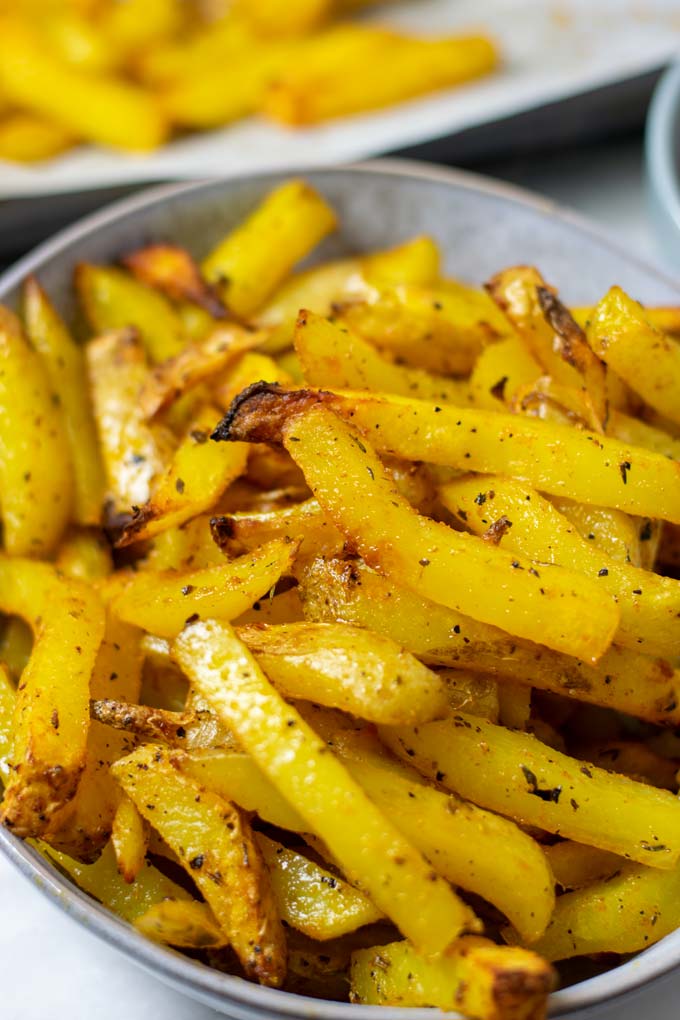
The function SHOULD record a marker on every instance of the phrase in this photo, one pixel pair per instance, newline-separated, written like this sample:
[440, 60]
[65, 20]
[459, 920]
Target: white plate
[552, 49]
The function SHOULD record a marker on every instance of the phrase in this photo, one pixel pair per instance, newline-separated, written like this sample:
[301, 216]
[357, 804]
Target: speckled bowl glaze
[481, 226]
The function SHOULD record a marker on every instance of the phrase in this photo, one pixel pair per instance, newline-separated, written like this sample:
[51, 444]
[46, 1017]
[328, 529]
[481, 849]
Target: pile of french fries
[340, 622]
[131, 74]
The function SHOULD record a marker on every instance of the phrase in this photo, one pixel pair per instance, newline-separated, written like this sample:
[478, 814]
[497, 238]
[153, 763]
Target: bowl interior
[481, 227]
[662, 156]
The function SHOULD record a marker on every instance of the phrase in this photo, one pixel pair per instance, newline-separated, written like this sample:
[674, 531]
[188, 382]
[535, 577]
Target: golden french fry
[331, 354]
[475, 978]
[49, 737]
[16, 644]
[85, 554]
[500, 371]
[303, 522]
[615, 533]
[183, 923]
[575, 865]
[7, 706]
[632, 758]
[171, 269]
[370, 850]
[161, 603]
[29, 138]
[370, 511]
[35, 463]
[216, 847]
[128, 839]
[255, 258]
[277, 17]
[516, 775]
[65, 365]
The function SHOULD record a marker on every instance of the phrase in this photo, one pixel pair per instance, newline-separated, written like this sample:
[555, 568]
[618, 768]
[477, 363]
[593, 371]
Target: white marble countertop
[50, 969]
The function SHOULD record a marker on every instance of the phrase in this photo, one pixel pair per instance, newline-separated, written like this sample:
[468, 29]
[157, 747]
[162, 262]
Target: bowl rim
[661, 137]
[187, 975]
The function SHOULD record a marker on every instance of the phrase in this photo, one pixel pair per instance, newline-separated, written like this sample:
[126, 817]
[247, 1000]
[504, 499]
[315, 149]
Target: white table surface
[49, 967]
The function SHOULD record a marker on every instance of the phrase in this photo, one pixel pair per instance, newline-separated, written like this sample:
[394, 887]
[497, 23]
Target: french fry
[576, 865]
[370, 850]
[622, 913]
[95, 107]
[615, 533]
[182, 923]
[500, 371]
[283, 608]
[515, 774]
[649, 604]
[30, 138]
[171, 269]
[311, 899]
[16, 645]
[441, 330]
[333, 355]
[51, 716]
[189, 730]
[131, 450]
[35, 465]
[189, 546]
[476, 978]
[394, 70]
[74, 38]
[7, 705]
[347, 668]
[66, 370]
[137, 24]
[254, 259]
[303, 522]
[161, 603]
[198, 474]
[85, 555]
[128, 839]
[112, 299]
[472, 693]
[276, 17]
[559, 460]
[640, 433]
[514, 701]
[216, 847]
[646, 359]
[370, 512]
[333, 590]
[632, 758]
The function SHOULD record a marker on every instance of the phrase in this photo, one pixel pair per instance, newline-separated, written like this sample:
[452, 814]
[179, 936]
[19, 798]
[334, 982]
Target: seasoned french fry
[303, 522]
[576, 865]
[395, 69]
[85, 555]
[649, 604]
[554, 459]
[66, 369]
[620, 334]
[500, 371]
[375, 512]
[51, 716]
[35, 464]
[333, 355]
[172, 270]
[161, 603]
[469, 692]
[347, 668]
[632, 758]
[371, 851]
[212, 838]
[128, 839]
[189, 546]
[310, 898]
[475, 977]
[516, 775]
[16, 644]
[350, 592]
[254, 259]
[30, 138]
[615, 533]
[183, 923]
[640, 433]
[619, 914]
[112, 299]
[130, 448]
[92, 106]
[7, 705]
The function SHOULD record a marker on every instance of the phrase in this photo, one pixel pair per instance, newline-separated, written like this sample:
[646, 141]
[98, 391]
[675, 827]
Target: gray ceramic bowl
[662, 158]
[481, 227]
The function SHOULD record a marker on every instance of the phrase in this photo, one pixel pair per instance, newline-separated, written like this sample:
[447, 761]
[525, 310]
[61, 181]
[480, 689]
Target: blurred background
[101, 97]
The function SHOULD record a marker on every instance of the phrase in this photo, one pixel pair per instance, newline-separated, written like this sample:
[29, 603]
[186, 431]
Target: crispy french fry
[500, 371]
[350, 592]
[347, 668]
[639, 433]
[92, 106]
[554, 459]
[7, 705]
[516, 775]
[216, 847]
[371, 851]
[182, 923]
[615, 533]
[395, 69]
[66, 369]
[189, 730]
[576, 865]
[619, 914]
[620, 334]
[112, 299]
[371, 512]
[161, 603]
[475, 977]
[649, 604]
[198, 474]
[30, 138]
[254, 259]
[128, 839]
[130, 448]
[51, 717]
[310, 898]
[35, 464]
[172, 270]
[334, 355]
[303, 522]
[85, 555]
[189, 546]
